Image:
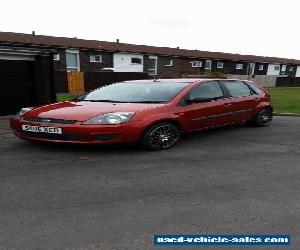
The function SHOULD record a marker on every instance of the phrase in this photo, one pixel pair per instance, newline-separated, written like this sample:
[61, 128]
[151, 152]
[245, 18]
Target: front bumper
[78, 133]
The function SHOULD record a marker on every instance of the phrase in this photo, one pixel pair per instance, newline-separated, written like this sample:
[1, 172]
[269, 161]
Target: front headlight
[110, 118]
[23, 111]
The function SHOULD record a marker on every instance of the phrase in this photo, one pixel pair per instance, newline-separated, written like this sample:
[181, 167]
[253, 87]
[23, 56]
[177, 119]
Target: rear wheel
[160, 136]
[263, 118]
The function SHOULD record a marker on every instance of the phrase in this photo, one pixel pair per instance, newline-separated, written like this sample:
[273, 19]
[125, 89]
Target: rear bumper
[79, 134]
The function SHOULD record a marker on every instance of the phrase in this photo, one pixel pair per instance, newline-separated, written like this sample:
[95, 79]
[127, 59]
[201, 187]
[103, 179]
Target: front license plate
[38, 129]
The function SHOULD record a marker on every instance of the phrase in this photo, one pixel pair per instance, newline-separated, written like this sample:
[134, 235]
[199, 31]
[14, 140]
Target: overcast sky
[259, 27]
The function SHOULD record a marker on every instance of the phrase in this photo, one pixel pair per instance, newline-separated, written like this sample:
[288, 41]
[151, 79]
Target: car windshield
[136, 92]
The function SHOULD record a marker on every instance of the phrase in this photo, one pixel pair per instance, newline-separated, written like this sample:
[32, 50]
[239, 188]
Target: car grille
[53, 136]
[48, 120]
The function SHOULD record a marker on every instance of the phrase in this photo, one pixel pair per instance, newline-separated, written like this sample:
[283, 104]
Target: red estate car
[152, 112]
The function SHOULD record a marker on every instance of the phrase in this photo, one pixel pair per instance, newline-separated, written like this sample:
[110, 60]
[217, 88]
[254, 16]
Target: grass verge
[61, 97]
[285, 100]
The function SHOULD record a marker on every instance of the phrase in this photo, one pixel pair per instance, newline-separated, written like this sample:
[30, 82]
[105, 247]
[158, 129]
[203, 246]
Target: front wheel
[263, 118]
[160, 136]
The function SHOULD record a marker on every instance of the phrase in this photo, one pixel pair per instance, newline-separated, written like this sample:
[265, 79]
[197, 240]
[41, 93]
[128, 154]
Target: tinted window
[256, 89]
[136, 92]
[207, 90]
[237, 89]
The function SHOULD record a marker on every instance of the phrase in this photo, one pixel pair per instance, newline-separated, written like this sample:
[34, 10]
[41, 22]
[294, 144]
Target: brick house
[34, 67]
[73, 54]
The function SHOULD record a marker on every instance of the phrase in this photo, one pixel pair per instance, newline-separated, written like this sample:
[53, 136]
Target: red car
[152, 112]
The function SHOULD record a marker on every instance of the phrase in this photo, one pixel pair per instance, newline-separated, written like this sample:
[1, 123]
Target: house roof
[64, 42]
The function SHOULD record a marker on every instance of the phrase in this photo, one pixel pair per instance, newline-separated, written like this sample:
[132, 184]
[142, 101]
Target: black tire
[263, 118]
[160, 136]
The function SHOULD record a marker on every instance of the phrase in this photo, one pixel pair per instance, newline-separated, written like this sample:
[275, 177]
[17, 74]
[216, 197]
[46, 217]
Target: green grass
[285, 100]
[61, 97]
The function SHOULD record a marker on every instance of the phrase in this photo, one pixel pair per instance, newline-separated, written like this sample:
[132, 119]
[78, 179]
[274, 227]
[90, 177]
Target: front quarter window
[209, 90]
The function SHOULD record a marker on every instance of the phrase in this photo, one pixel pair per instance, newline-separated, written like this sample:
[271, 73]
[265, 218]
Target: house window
[220, 65]
[283, 68]
[136, 60]
[168, 62]
[152, 65]
[291, 69]
[197, 64]
[208, 64]
[261, 67]
[96, 58]
[239, 66]
[72, 60]
[56, 57]
[276, 68]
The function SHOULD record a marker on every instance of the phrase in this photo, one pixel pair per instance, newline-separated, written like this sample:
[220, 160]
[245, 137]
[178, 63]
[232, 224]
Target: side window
[237, 89]
[256, 89]
[207, 90]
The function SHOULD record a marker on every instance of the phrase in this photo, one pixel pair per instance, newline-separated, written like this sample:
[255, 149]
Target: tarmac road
[232, 180]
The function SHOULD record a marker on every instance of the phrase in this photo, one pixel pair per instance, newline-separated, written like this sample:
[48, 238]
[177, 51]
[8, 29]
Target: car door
[242, 98]
[211, 110]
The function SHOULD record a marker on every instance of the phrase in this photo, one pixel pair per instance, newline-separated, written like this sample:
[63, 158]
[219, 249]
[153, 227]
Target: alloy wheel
[265, 117]
[163, 136]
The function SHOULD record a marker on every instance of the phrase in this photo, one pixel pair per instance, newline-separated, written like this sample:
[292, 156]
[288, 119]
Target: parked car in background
[152, 112]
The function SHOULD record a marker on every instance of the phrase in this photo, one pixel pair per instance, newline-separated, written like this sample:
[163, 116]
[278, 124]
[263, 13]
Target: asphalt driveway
[224, 181]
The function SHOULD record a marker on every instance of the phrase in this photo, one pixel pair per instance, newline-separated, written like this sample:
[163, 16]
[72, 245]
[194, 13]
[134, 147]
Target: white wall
[122, 63]
[298, 71]
[271, 71]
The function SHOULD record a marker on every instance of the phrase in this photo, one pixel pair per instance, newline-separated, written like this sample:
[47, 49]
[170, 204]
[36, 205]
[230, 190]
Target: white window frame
[136, 58]
[276, 66]
[171, 63]
[93, 58]
[210, 64]
[283, 68]
[196, 64]
[56, 57]
[155, 69]
[74, 51]
[291, 69]
[220, 67]
[239, 66]
[261, 67]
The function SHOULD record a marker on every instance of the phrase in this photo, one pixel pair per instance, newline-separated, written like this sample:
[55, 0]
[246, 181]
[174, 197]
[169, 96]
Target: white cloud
[249, 27]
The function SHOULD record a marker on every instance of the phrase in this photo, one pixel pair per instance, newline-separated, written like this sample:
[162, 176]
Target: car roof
[182, 80]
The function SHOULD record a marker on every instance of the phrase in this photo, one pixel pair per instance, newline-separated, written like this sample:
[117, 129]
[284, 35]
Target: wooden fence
[80, 82]
[75, 82]
[263, 80]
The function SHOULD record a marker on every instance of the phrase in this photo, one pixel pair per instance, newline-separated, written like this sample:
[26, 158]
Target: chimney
[118, 41]
[177, 47]
[33, 33]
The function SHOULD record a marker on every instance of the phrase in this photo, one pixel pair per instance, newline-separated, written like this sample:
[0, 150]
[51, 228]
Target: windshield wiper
[149, 102]
[103, 101]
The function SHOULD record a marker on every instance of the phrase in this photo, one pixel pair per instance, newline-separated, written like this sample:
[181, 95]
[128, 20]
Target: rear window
[237, 89]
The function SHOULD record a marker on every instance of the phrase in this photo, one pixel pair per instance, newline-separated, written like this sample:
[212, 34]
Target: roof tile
[50, 41]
